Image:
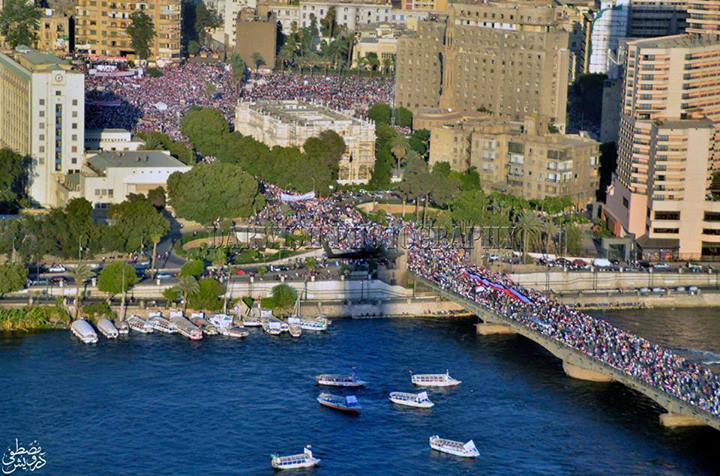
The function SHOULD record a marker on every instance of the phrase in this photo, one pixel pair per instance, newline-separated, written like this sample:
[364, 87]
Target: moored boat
[185, 327]
[107, 328]
[456, 448]
[434, 380]
[122, 327]
[302, 460]
[160, 324]
[318, 324]
[210, 330]
[84, 331]
[346, 404]
[254, 316]
[273, 326]
[220, 321]
[234, 331]
[416, 400]
[336, 380]
[139, 325]
[294, 330]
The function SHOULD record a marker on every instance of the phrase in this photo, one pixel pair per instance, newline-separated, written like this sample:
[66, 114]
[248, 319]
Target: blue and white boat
[302, 460]
[346, 404]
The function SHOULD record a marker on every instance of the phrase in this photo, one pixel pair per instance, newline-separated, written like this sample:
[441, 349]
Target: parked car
[693, 290]
[680, 289]
[644, 291]
[661, 266]
[162, 276]
[659, 291]
[57, 268]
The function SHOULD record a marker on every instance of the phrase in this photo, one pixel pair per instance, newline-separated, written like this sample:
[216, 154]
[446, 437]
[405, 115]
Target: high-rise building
[100, 28]
[42, 115]
[513, 59]
[653, 18]
[55, 32]
[256, 38]
[521, 158]
[667, 147]
[609, 27]
[703, 17]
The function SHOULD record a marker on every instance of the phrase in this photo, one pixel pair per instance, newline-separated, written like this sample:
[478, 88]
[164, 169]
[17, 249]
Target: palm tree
[530, 226]
[187, 286]
[399, 148]
[80, 274]
[258, 60]
[550, 229]
[155, 238]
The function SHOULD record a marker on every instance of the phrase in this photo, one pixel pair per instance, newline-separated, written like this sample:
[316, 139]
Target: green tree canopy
[282, 300]
[142, 33]
[403, 117]
[238, 66]
[380, 113]
[116, 278]
[13, 180]
[136, 222]
[193, 268]
[208, 295]
[13, 277]
[19, 23]
[206, 19]
[214, 191]
[206, 128]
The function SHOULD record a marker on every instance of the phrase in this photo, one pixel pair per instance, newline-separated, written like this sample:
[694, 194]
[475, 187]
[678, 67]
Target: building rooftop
[132, 159]
[677, 41]
[300, 112]
[24, 61]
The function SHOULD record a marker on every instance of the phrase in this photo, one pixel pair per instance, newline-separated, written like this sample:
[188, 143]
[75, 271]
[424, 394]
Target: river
[158, 404]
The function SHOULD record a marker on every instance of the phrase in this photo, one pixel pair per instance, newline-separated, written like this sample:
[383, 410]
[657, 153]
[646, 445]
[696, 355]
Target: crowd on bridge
[150, 104]
[338, 223]
[344, 93]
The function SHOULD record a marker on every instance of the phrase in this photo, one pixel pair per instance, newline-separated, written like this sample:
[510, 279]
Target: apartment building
[256, 35]
[349, 14]
[380, 40]
[653, 18]
[42, 115]
[440, 6]
[667, 146]
[520, 158]
[703, 17]
[56, 32]
[232, 9]
[513, 59]
[291, 123]
[100, 28]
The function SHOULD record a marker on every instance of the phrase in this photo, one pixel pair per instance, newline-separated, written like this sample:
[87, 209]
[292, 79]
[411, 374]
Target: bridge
[580, 366]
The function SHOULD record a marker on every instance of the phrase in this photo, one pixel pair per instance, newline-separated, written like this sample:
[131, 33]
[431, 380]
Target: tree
[380, 113]
[13, 277]
[206, 19]
[193, 47]
[157, 199]
[141, 32]
[117, 278]
[416, 182]
[193, 268]
[530, 226]
[328, 24]
[212, 191]
[257, 60]
[19, 23]
[469, 208]
[283, 298]
[13, 180]
[171, 295]
[237, 64]
[80, 274]
[187, 286]
[399, 148]
[136, 222]
[206, 128]
[403, 117]
[207, 296]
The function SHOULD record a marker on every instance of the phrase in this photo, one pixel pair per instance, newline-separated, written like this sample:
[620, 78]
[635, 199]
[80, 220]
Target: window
[671, 231]
[712, 216]
[626, 204]
[660, 215]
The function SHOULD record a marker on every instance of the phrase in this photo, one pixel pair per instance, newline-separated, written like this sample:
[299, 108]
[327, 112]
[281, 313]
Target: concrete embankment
[635, 301]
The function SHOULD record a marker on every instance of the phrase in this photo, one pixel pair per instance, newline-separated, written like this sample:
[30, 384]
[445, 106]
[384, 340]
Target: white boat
[139, 325]
[221, 320]
[319, 324]
[253, 318]
[107, 328]
[417, 400]
[273, 327]
[233, 331]
[210, 330]
[122, 328]
[84, 331]
[185, 327]
[295, 330]
[434, 380]
[456, 448]
[160, 324]
[334, 380]
[303, 460]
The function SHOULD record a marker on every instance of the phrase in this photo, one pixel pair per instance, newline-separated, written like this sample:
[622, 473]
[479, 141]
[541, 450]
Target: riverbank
[602, 300]
[25, 318]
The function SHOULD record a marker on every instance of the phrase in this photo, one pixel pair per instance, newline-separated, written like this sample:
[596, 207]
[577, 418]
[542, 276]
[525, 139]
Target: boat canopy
[469, 446]
[351, 399]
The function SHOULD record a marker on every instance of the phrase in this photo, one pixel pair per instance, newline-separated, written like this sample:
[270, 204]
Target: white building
[291, 123]
[109, 177]
[111, 140]
[42, 114]
[608, 28]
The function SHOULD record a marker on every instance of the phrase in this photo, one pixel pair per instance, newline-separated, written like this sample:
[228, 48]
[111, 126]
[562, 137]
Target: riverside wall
[572, 281]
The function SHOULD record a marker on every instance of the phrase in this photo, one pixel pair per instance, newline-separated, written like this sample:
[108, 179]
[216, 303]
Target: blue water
[157, 404]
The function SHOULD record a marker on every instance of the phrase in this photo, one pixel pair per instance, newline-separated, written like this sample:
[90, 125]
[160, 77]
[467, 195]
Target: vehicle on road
[57, 268]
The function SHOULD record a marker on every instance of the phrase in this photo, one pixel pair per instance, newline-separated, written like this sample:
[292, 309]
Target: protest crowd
[335, 221]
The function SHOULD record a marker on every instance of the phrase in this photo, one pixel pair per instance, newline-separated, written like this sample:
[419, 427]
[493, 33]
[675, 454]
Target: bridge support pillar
[581, 373]
[487, 328]
[675, 420]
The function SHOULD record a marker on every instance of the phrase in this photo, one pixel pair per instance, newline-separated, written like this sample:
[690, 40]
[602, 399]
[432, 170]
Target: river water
[158, 404]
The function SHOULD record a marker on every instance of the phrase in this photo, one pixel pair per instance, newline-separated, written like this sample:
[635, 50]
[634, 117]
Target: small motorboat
[122, 327]
[160, 324]
[139, 325]
[335, 380]
[417, 400]
[294, 330]
[273, 327]
[84, 331]
[107, 328]
[434, 380]
[255, 316]
[185, 327]
[210, 330]
[346, 404]
[221, 320]
[303, 460]
[318, 324]
[456, 448]
[197, 318]
[233, 331]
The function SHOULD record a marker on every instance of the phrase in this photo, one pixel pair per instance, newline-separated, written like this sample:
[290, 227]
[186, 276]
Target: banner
[285, 197]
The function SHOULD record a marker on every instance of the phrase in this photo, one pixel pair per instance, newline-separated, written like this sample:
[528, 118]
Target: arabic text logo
[23, 458]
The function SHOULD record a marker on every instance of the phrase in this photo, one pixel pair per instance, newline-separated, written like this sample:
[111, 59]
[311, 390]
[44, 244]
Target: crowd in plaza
[336, 222]
[151, 104]
[343, 93]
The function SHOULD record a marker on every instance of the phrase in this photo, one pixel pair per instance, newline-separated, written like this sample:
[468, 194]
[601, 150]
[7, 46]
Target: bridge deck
[573, 356]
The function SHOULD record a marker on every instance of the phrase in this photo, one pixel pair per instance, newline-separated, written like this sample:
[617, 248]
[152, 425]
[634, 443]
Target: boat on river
[435, 380]
[139, 325]
[346, 404]
[234, 331]
[294, 330]
[210, 330]
[122, 327]
[336, 380]
[456, 448]
[273, 326]
[416, 400]
[185, 327]
[221, 320]
[255, 316]
[318, 324]
[84, 331]
[107, 328]
[160, 324]
[302, 460]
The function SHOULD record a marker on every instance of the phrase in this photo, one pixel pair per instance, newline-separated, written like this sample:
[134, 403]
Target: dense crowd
[158, 104]
[336, 222]
[344, 93]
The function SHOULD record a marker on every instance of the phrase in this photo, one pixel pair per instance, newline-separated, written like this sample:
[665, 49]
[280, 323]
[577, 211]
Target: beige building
[42, 115]
[100, 28]
[703, 17]
[667, 150]
[440, 6]
[380, 40]
[109, 177]
[513, 59]
[256, 35]
[291, 123]
[522, 159]
[111, 140]
[55, 31]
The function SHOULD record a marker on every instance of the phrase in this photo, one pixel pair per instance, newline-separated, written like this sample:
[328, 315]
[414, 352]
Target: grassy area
[33, 318]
